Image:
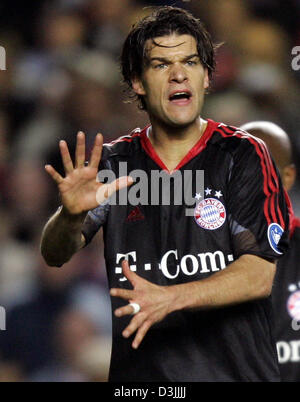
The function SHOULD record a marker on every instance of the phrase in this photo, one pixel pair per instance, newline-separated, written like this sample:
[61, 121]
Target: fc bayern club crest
[210, 214]
[293, 305]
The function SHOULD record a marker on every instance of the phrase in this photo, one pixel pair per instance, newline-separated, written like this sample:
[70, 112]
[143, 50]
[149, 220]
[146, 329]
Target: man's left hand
[155, 303]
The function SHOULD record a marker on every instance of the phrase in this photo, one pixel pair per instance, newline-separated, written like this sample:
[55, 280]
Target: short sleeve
[94, 220]
[97, 217]
[256, 203]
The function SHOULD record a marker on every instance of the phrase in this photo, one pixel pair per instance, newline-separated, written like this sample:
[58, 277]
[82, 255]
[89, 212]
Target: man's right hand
[79, 189]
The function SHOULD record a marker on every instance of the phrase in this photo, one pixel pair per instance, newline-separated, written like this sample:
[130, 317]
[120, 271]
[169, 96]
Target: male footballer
[190, 292]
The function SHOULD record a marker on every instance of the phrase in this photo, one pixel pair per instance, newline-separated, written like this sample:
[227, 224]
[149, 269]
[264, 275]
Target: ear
[138, 87]
[206, 79]
[289, 176]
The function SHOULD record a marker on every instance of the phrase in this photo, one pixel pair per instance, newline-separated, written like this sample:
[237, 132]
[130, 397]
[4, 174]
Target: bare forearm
[62, 237]
[235, 284]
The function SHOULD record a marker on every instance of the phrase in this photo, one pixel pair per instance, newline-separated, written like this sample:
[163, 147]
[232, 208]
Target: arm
[62, 237]
[79, 192]
[248, 278]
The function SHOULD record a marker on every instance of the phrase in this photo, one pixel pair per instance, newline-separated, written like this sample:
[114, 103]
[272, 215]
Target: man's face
[173, 81]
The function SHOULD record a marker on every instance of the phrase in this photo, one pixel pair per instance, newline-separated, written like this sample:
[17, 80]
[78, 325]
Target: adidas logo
[135, 215]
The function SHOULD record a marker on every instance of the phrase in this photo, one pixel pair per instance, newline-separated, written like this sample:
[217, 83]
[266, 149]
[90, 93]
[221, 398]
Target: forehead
[171, 45]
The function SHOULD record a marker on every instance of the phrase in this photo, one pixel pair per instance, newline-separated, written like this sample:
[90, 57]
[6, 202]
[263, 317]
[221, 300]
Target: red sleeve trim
[272, 210]
[125, 138]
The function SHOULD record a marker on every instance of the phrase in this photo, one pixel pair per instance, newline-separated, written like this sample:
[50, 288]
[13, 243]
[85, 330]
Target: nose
[178, 73]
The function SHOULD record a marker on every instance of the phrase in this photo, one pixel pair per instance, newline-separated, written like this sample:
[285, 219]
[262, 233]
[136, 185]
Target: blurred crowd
[63, 76]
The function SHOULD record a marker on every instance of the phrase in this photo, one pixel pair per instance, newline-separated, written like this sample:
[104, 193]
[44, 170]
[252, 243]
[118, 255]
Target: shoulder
[295, 227]
[125, 145]
[235, 135]
[236, 139]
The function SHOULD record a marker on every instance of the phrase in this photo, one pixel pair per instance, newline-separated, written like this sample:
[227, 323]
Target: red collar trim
[195, 150]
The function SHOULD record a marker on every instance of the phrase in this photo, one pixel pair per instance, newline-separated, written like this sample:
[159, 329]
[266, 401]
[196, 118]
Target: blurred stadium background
[62, 76]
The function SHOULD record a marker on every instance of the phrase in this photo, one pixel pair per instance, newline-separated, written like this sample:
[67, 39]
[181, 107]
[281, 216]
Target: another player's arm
[79, 192]
[248, 278]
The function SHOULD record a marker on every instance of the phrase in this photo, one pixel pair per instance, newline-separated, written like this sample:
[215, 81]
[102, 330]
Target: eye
[160, 66]
[191, 62]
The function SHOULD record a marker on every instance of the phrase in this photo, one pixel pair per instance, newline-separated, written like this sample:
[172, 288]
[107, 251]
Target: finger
[122, 293]
[144, 328]
[107, 190]
[80, 150]
[121, 182]
[66, 158]
[134, 324]
[125, 310]
[54, 174]
[130, 275]
[96, 152]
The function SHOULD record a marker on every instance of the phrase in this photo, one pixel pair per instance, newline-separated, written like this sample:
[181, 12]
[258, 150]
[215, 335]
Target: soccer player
[286, 289]
[190, 294]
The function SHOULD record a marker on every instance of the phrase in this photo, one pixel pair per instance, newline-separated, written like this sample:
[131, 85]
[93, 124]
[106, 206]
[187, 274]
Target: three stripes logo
[135, 215]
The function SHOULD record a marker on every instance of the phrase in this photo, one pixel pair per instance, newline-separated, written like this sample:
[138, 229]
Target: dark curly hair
[163, 21]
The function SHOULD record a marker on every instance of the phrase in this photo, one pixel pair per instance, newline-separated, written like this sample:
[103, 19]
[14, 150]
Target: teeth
[176, 94]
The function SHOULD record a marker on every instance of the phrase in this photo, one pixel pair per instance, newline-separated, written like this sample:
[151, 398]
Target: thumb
[107, 190]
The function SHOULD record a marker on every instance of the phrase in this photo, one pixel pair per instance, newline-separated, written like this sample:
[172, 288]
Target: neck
[172, 144]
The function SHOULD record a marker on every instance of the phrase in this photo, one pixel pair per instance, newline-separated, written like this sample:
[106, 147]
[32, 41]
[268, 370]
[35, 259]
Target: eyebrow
[164, 59]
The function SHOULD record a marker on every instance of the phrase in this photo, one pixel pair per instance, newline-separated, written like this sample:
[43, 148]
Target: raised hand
[155, 304]
[79, 190]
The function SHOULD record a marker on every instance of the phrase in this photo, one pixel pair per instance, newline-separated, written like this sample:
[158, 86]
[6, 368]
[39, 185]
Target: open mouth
[180, 97]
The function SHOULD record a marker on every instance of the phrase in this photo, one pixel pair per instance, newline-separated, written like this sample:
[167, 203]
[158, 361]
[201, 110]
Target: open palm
[79, 189]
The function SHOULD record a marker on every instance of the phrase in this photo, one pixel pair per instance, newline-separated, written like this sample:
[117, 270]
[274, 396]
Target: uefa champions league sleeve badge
[275, 232]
